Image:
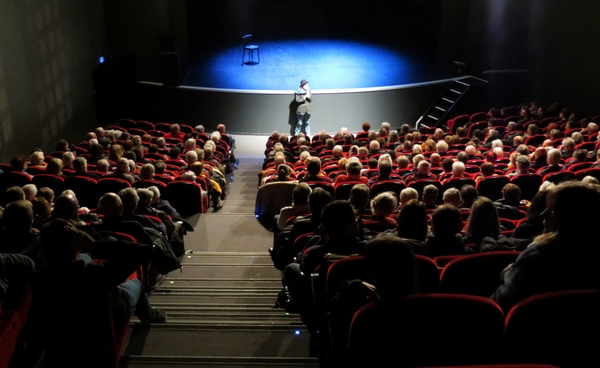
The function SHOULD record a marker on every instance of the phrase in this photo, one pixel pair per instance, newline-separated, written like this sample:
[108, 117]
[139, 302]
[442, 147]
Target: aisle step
[221, 362]
[206, 341]
[199, 270]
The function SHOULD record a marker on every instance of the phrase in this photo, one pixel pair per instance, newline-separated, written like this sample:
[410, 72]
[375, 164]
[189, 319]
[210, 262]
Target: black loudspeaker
[170, 71]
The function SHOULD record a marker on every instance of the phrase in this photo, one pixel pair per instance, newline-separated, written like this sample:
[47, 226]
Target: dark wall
[555, 41]
[48, 50]
[145, 29]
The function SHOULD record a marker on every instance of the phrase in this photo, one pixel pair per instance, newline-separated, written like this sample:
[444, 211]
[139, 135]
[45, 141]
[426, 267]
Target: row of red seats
[185, 196]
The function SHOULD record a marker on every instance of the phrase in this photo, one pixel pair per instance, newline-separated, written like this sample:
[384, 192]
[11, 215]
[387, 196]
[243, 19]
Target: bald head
[110, 205]
[66, 207]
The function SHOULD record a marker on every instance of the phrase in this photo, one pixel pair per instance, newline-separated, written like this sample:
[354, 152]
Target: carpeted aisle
[219, 306]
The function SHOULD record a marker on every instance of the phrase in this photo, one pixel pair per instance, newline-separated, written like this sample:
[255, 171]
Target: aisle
[219, 306]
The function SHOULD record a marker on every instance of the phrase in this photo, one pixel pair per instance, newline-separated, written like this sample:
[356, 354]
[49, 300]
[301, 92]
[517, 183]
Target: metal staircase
[436, 114]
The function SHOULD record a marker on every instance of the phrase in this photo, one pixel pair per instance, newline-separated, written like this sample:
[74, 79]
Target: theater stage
[351, 83]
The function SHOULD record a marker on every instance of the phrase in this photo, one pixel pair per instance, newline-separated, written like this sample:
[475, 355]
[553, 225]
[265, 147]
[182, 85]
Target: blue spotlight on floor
[297, 333]
[327, 64]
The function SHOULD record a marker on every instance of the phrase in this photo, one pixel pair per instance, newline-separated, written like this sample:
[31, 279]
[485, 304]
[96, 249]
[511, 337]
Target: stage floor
[325, 64]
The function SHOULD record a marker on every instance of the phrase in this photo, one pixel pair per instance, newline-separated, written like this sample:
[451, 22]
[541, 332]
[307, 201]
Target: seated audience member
[452, 196]
[435, 160]
[445, 238]
[97, 294]
[271, 169]
[523, 163]
[534, 222]
[341, 229]
[11, 194]
[483, 222]
[111, 206]
[384, 173]
[412, 225]
[406, 195]
[511, 196]
[313, 172]
[447, 165]
[30, 191]
[37, 159]
[165, 206]
[579, 156]
[423, 168]
[122, 171]
[389, 286]
[284, 173]
[41, 212]
[175, 132]
[430, 196]
[383, 206]
[442, 148]
[147, 172]
[15, 271]
[487, 171]
[359, 198]
[553, 160]
[563, 258]
[458, 170]
[80, 167]
[18, 221]
[317, 199]
[462, 157]
[468, 195]
[130, 199]
[102, 167]
[539, 158]
[339, 223]
[299, 205]
[54, 167]
[144, 208]
[67, 160]
[402, 162]
[567, 148]
[47, 194]
[354, 168]
[588, 179]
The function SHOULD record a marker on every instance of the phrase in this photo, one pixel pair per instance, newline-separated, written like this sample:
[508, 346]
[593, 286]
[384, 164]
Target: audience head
[66, 207]
[458, 169]
[18, 216]
[110, 205]
[452, 196]
[412, 220]
[317, 199]
[407, 194]
[339, 220]
[390, 263]
[484, 220]
[468, 194]
[359, 196]
[430, 195]
[383, 205]
[46, 193]
[446, 221]
[30, 191]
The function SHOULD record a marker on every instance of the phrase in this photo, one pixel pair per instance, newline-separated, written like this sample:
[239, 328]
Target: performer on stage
[303, 99]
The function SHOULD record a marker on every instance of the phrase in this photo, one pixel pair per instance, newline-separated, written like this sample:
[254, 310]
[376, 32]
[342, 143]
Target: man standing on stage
[303, 111]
